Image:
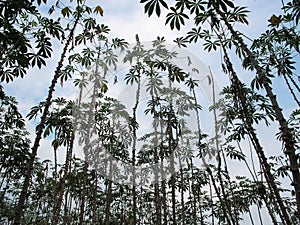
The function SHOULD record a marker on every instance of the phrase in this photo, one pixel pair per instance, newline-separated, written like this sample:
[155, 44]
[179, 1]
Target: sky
[126, 18]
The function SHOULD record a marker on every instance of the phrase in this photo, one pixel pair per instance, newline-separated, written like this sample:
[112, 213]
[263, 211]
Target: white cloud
[126, 18]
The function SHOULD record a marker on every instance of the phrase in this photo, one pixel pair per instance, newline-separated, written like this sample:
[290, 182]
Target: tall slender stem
[40, 128]
[287, 135]
[134, 131]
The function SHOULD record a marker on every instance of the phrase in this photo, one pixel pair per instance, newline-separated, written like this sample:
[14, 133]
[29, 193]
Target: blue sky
[126, 18]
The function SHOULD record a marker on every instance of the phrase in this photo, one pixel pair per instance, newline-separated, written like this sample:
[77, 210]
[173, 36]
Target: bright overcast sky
[126, 18]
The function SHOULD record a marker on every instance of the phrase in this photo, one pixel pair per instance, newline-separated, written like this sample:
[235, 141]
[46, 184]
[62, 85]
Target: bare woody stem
[287, 135]
[134, 143]
[240, 99]
[40, 128]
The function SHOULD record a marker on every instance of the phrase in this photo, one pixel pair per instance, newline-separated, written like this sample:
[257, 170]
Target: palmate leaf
[44, 47]
[154, 4]
[102, 29]
[176, 73]
[240, 14]
[104, 87]
[19, 71]
[154, 84]
[297, 13]
[119, 43]
[81, 83]
[66, 12]
[6, 76]
[295, 7]
[176, 19]
[66, 73]
[221, 4]
[89, 23]
[110, 58]
[274, 20]
[37, 60]
[181, 41]
[192, 83]
[196, 7]
[40, 1]
[131, 77]
[211, 45]
[99, 10]
[81, 38]
[194, 34]
[52, 27]
[35, 110]
[48, 130]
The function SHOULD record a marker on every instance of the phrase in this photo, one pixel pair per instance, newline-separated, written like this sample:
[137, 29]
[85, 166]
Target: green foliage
[206, 191]
[294, 6]
[152, 5]
[14, 153]
[176, 19]
[232, 115]
[25, 38]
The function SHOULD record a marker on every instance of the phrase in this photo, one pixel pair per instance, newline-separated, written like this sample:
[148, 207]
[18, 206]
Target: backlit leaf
[99, 10]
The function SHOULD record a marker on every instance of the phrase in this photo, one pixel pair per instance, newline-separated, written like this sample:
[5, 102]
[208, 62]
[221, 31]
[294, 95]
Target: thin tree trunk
[224, 193]
[194, 209]
[83, 194]
[172, 146]
[156, 173]
[200, 207]
[223, 206]
[250, 216]
[109, 180]
[287, 135]
[134, 130]
[255, 178]
[157, 196]
[192, 88]
[55, 156]
[68, 201]
[235, 212]
[89, 133]
[134, 206]
[226, 201]
[194, 195]
[40, 128]
[67, 168]
[270, 210]
[108, 193]
[173, 197]
[94, 218]
[61, 189]
[66, 204]
[236, 85]
[182, 194]
[212, 203]
[259, 215]
[163, 178]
